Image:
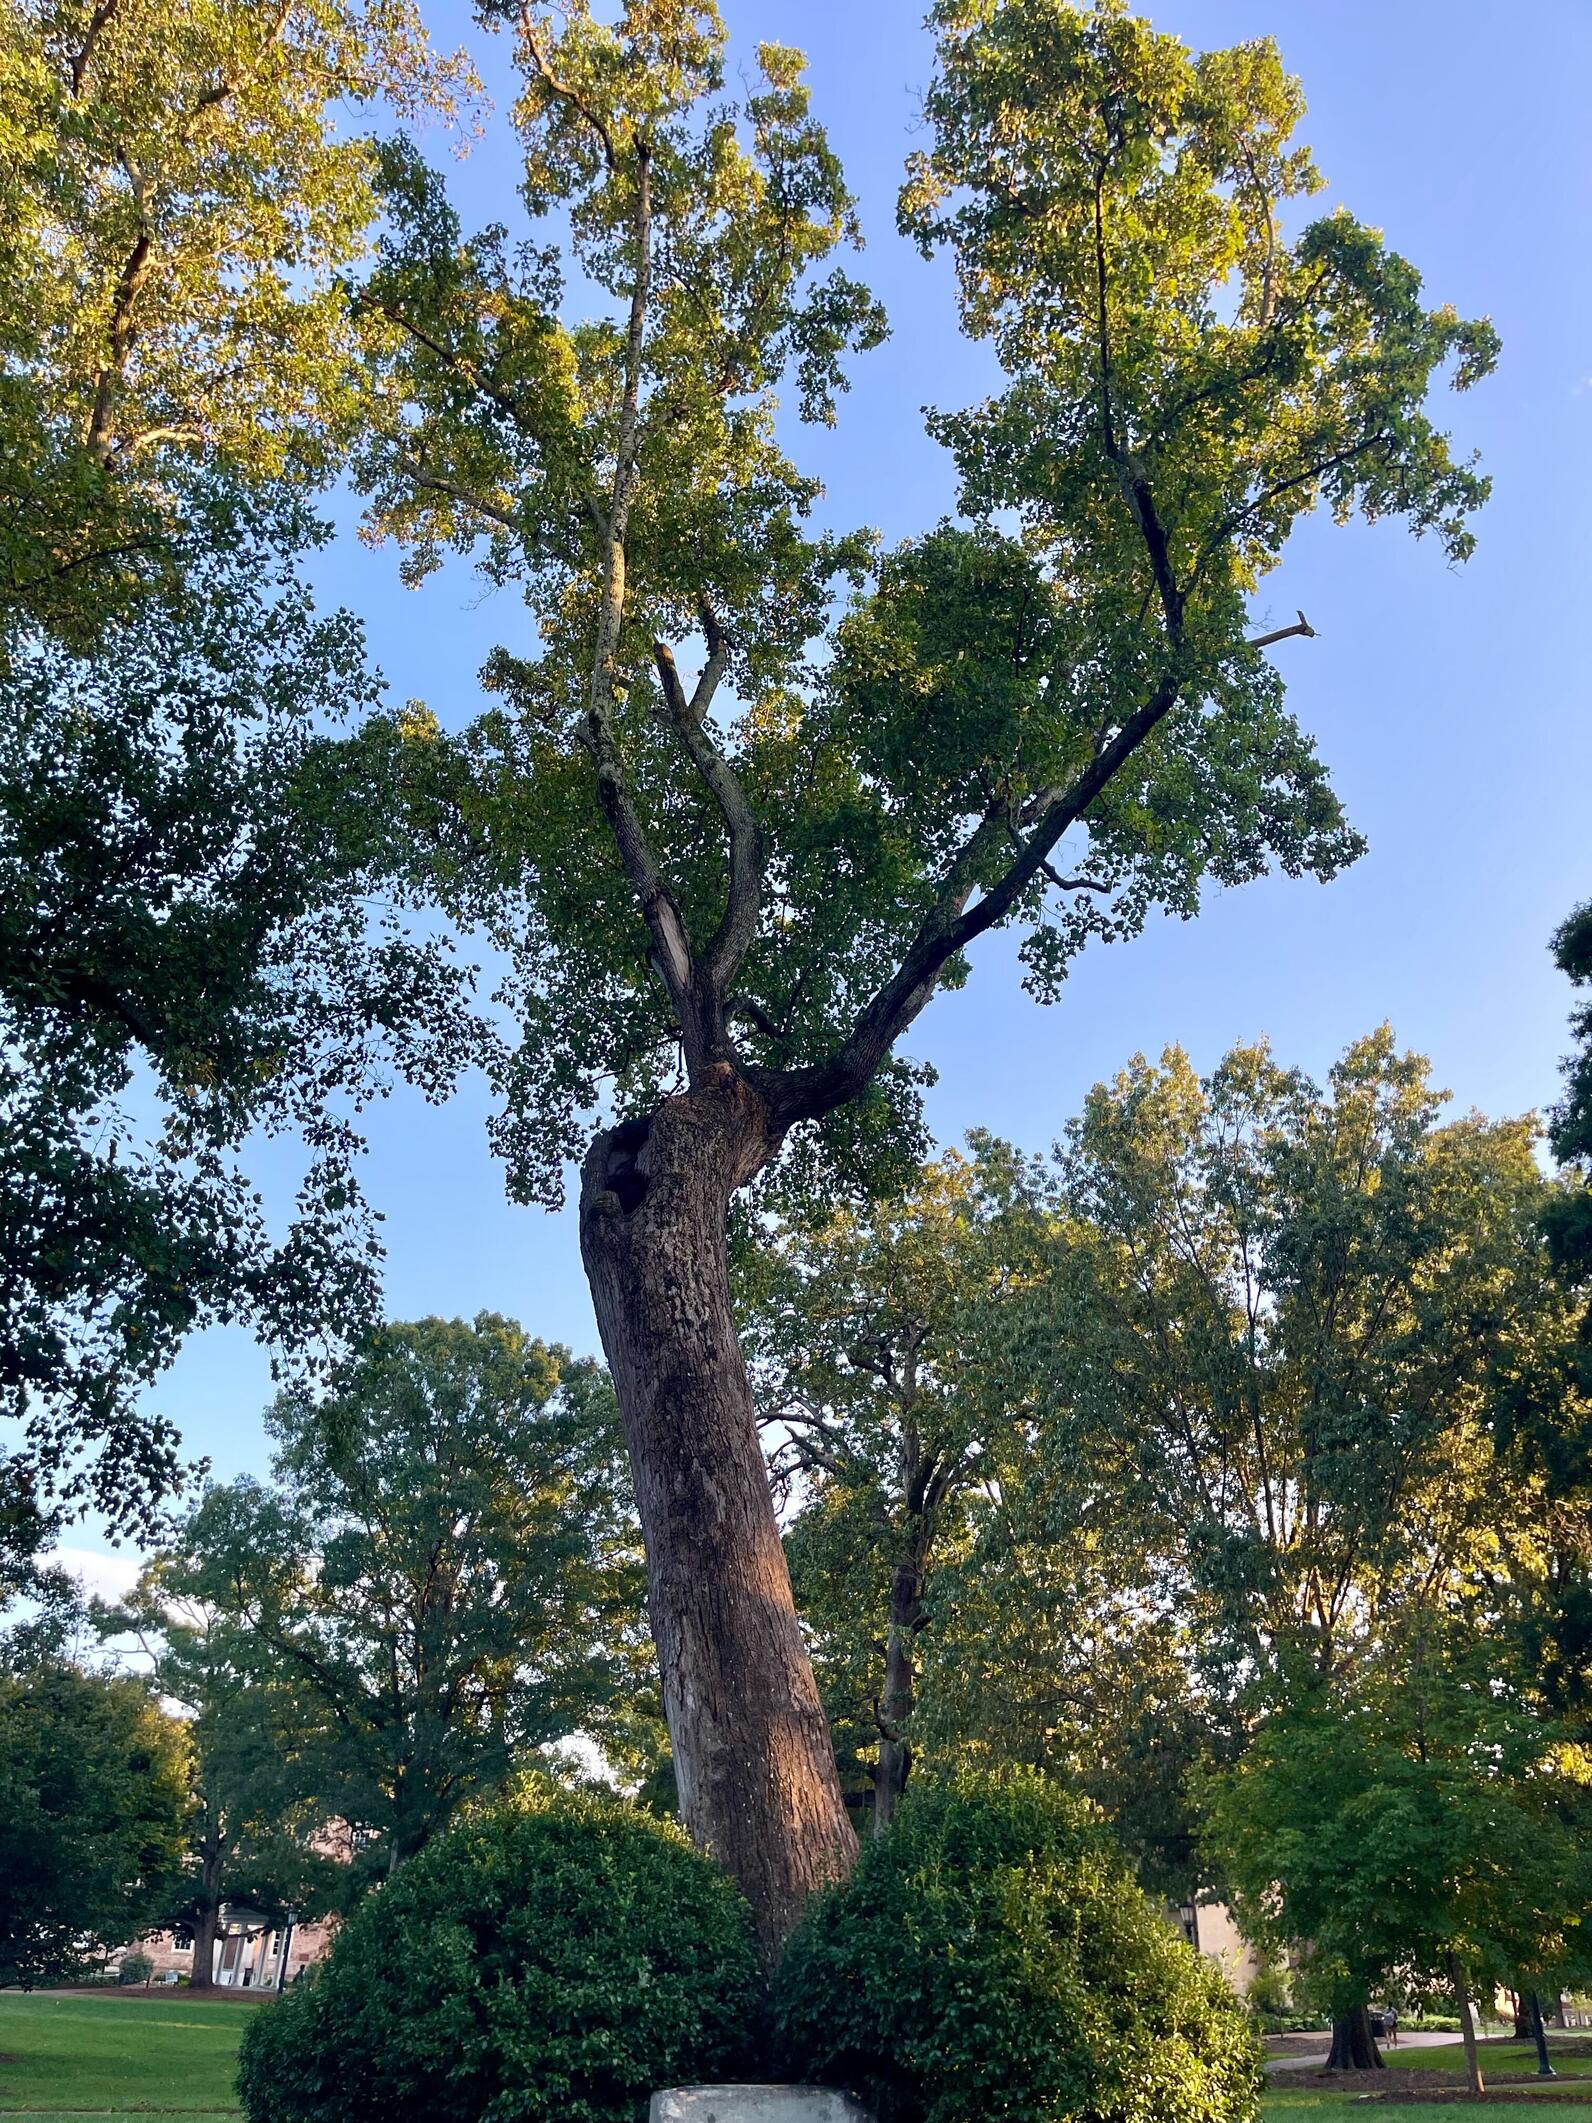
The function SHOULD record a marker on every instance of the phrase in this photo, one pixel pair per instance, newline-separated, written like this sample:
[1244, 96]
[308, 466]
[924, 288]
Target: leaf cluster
[193, 945]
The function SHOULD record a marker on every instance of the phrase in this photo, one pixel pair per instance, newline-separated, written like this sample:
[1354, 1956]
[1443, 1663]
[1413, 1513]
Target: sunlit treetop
[179, 188]
[769, 861]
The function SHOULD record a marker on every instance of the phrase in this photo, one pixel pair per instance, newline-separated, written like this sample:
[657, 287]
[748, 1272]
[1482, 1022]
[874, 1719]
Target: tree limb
[563, 91]
[951, 924]
[1264, 641]
[733, 937]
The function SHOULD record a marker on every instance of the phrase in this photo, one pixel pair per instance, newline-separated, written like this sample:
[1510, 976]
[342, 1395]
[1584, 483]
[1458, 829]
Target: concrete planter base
[755, 2104]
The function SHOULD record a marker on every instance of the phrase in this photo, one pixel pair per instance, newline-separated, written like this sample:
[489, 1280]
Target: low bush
[136, 1967]
[556, 1956]
[992, 1956]
[1269, 1993]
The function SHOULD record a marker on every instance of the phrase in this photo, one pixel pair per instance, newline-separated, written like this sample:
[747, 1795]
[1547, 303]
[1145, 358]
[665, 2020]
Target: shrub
[1268, 1992]
[992, 1956]
[136, 1967]
[557, 1955]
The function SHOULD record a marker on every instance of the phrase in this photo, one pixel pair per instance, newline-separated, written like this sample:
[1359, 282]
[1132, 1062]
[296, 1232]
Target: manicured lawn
[151, 2055]
[1508, 2058]
[1314, 2107]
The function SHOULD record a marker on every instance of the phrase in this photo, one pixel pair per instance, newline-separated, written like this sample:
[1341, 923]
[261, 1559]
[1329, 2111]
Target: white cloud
[107, 1572]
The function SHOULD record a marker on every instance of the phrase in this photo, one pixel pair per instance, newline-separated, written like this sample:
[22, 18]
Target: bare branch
[1073, 884]
[1264, 641]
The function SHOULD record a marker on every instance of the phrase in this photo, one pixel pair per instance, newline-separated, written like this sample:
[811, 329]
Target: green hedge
[558, 1956]
[992, 1956]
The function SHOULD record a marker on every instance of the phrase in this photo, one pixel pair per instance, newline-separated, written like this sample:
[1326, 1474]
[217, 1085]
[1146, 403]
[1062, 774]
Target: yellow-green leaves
[1184, 355]
[179, 191]
[187, 210]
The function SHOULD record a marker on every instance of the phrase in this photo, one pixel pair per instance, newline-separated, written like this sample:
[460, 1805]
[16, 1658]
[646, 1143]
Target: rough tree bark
[755, 1768]
[1353, 2044]
[207, 1920]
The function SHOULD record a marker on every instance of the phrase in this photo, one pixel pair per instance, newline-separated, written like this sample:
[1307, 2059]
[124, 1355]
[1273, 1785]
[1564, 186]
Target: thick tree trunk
[212, 1858]
[895, 1703]
[1467, 2024]
[204, 1949]
[1353, 2044]
[753, 1760]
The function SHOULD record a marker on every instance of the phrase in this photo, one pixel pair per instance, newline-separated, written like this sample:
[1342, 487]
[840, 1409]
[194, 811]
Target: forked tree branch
[737, 928]
[951, 924]
[1264, 641]
[562, 90]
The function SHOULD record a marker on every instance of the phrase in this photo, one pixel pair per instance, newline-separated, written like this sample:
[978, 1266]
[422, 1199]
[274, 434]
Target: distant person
[1391, 2019]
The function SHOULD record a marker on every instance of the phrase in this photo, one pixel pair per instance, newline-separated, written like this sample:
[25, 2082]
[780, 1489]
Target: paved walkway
[1313, 2060]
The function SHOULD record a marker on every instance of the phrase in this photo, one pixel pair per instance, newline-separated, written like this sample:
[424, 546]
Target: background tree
[444, 1572]
[1558, 1429]
[1277, 1325]
[958, 1604]
[726, 897]
[874, 1373]
[252, 1828]
[1276, 1335]
[94, 1799]
[1410, 1824]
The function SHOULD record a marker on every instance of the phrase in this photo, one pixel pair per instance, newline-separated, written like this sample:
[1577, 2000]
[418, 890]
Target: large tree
[726, 894]
[443, 1577]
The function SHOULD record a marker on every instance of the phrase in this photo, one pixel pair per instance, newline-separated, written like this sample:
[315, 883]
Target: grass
[66, 2058]
[1310, 2106]
[1506, 2057]
[151, 2055]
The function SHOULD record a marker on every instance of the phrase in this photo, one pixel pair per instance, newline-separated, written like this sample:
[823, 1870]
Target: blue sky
[1451, 705]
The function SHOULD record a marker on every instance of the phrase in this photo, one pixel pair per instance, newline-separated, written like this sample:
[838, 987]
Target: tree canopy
[1282, 1324]
[178, 196]
[193, 945]
[93, 1810]
[775, 862]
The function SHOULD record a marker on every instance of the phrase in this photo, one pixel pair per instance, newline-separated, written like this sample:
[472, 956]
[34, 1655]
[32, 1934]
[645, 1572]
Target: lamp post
[287, 1941]
[1544, 2069]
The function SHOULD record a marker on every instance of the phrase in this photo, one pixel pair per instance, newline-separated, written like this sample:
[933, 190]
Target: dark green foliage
[189, 951]
[442, 1578]
[93, 1801]
[992, 1955]
[1567, 1450]
[1571, 1134]
[1421, 1810]
[557, 1956]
